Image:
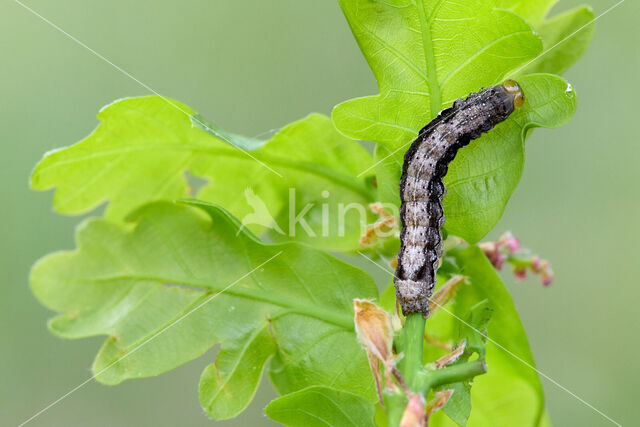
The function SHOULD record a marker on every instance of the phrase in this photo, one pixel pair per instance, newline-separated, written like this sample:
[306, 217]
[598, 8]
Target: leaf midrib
[435, 91]
[295, 305]
[357, 186]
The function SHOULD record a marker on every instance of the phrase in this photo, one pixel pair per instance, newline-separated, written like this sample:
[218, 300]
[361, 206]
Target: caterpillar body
[421, 187]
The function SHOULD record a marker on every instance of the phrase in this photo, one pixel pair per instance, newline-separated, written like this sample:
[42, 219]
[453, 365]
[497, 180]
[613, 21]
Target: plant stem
[415, 376]
[413, 340]
[395, 404]
[451, 374]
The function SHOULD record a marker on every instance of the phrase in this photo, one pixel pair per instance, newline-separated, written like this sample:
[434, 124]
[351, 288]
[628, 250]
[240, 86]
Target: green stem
[413, 340]
[452, 374]
[395, 404]
[415, 376]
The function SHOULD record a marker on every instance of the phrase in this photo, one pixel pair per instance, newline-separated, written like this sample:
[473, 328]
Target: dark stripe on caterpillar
[421, 187]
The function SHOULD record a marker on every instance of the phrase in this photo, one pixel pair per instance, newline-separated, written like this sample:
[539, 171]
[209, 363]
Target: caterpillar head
[513, 88]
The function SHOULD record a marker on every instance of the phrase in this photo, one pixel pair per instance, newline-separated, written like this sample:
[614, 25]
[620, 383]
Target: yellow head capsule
[513, 87]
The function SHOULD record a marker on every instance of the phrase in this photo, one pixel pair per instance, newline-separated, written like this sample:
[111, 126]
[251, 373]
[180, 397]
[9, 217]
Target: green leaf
[533, 11]
[321, 406]
[312, 351]
[143, 146]
[180, 280]
[458, 407]
[483, 175]
[424, 56]
[565, 38]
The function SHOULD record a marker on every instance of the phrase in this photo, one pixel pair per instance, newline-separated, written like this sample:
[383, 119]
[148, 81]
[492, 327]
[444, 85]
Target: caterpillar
[421, 188]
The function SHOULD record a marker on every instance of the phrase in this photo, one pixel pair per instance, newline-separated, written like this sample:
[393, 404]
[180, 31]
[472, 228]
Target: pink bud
[520, 273]
[489, 249]
[414, 413]
[513, 245]
[510, 242]
[492, 251]
[509, 249]
[547, 273]
[536, 264]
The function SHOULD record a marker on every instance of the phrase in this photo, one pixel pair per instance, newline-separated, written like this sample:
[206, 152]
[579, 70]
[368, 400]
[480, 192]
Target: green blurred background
[256, 65]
